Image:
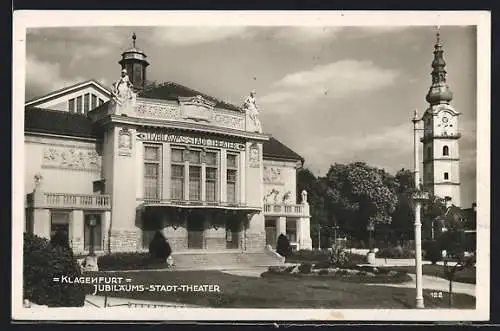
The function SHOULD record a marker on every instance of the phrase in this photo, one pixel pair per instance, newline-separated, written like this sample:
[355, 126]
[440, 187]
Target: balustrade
[76, 201]
[283, 210]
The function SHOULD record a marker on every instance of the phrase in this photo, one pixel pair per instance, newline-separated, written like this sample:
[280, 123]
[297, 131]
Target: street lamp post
[418, 198]
[319, 237]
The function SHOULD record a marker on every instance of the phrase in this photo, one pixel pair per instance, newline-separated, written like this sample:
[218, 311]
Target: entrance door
[60, 223]
[92, 232]
[151, 223]
[233, 228]
[271, 233]
[195, 229]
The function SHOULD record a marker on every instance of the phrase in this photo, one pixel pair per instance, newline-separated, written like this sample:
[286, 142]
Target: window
[446, 151]
[177, 174]
[86, 102]
[446, 176]
[194, 158]
[71, 105]
[79, 104]
[93, 227]
[232, 174]
[94, 101]
[152, 158]
[211, 176]
[101, 101]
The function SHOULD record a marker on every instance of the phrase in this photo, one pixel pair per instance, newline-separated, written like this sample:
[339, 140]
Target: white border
[26, 19]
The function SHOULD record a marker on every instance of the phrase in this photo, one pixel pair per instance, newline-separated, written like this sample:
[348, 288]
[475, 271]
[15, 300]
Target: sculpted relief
[189, 112]
[272, 175]
[274, 196]
[71, 158]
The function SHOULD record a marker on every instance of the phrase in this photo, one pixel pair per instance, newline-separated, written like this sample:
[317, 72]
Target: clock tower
[441, 168]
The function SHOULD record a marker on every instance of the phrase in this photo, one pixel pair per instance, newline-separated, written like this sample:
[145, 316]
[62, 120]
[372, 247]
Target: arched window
[446, 151]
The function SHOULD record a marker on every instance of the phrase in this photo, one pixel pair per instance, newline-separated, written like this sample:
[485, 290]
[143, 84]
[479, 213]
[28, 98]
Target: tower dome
[439, 92]
[134, 62]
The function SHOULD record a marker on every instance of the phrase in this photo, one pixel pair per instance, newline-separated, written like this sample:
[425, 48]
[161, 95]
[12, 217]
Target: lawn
[300, 292]
[463, 276]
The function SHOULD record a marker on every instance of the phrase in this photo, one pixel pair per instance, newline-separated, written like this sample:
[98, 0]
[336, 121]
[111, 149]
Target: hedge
[42, 261]
[129, 261]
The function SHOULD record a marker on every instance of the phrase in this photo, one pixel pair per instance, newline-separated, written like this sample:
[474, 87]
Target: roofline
[66, 89]
[282, 158]
[59, 136]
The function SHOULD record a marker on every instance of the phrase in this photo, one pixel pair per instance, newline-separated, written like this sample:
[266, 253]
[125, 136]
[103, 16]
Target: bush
[283, 247]
[313, 256]
[42, 262]
[60, 238]
[433, 252]
[305, 268]
[323, 272]
[339, 257]
[130, 261]
[159, 247]
[396, 252]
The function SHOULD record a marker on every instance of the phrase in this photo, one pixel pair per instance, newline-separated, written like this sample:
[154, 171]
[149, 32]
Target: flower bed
[354, 273]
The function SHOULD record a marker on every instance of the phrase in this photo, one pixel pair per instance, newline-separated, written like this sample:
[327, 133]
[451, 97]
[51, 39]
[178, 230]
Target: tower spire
[439, 91]
[134, 62]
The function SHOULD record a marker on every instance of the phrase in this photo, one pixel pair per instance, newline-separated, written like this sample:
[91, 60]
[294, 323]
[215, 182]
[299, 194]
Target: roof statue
[252, 111]
[123, 93]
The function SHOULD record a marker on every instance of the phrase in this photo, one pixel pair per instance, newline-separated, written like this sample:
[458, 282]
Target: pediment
[58, 100]
[196, 108]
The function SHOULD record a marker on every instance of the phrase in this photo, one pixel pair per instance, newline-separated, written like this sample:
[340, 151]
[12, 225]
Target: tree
[360, 195]
[454, 242]
[283, 247]
[402, 217]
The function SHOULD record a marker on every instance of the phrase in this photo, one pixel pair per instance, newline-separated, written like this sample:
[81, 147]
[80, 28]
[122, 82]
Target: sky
[332, 93]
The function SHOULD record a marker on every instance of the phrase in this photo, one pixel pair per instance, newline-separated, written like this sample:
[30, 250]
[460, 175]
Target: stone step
[226, 260]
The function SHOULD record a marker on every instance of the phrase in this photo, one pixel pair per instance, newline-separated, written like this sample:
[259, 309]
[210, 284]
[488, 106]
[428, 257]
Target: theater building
[120, 164]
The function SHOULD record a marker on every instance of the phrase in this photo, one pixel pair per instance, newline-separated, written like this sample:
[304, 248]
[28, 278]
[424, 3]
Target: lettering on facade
[254, 156]
[273, 175]
[71, 158]
[189, 140]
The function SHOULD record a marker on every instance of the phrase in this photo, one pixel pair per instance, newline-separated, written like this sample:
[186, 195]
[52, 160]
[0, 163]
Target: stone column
[106, 223]
[203, 182]
[41, 224]
[77, 231]
[223, 175]
[281, 226]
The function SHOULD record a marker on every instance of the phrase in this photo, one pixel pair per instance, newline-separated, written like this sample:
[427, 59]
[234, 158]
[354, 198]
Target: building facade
[441, 170]
[118, 165]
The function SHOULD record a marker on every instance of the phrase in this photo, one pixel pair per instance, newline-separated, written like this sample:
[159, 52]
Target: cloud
[307, 34]
[335, 80]
[43, 77]
[186, 36]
